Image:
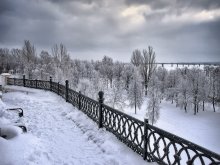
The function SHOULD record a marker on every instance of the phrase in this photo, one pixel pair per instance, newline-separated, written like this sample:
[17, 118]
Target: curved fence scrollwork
[43, 85]
[168, 148]
[126, 128]
[61, 90]
[54, 87]
[15, 81]
[90, 107]
[154, 144]
[73, 98]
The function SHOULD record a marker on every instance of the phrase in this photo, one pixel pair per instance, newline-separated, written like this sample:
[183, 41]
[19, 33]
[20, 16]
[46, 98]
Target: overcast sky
[178, 30]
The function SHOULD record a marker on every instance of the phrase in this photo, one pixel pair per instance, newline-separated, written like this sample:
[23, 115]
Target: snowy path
[65, 135]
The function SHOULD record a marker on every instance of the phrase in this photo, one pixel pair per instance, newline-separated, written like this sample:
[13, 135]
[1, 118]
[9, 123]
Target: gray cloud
[91, 29]
[158, 4]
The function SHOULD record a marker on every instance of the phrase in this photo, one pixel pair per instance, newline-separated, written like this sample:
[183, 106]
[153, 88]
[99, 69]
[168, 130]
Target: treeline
[124, 84]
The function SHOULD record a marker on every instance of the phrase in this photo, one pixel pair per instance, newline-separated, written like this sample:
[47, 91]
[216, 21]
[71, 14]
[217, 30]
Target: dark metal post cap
[101, 94]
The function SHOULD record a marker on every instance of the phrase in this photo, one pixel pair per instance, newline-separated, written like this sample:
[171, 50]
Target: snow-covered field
[202, 129]
[57, 134]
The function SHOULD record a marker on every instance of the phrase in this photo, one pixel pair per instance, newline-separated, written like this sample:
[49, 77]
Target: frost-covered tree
[116, 96]
[29, 58]
[214, 84]
[5, 58]
[127, 75]
[46, 65]
[161, 74]
[135, 95]
[153, 107]
[136, 58]
[106, 70]
[84, 87]
[193, 76]
[183, 91]
[61, 61]
[148, 66]
[118, 69]
[171, 85]
[203, 90]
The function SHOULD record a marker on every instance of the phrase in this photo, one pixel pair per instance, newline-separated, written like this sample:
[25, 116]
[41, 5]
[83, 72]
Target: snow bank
[15, 147]
[17, 150]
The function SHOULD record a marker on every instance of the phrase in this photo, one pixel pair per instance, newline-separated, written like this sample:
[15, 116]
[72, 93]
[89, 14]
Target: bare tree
[61, 61]
[136, 58]
[183, 91]
[214, 84]
[148, 66]
[153, 108]
[116, 95]
[135, 95]
[29, 58]
[17, 56]
[106, 69]
[193, 76]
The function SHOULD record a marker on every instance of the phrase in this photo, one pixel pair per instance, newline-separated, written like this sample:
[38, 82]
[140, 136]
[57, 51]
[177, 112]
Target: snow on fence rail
[152, 143]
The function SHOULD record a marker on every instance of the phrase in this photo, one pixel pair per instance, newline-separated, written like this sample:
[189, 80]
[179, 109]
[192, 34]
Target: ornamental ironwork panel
[90, 107]
[126, 128]
[54, 87]
[62, 91]
[10, 81]
[73, 98]
[18, 82]
[28, 83]
[43, 84]
[166, 148]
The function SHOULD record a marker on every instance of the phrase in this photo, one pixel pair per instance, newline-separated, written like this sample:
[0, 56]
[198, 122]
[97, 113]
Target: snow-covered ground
[58, 134]
[202, 129]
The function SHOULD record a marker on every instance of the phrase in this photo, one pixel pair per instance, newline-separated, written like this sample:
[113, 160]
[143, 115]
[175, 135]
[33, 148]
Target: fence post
[145, 154]
[36, 83]
[50, 83]
[79, 100]
[24, 80]
[101, 100]
[67, 88]
[58, 88]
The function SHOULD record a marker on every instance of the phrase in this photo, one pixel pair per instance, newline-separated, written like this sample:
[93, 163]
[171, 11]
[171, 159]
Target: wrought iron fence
[152, 143]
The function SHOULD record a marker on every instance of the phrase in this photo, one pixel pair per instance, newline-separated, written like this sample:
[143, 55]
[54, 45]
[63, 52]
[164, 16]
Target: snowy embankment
[202, 129]
[59, 134]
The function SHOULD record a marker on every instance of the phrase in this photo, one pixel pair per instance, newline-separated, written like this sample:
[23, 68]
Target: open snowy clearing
[59, 134]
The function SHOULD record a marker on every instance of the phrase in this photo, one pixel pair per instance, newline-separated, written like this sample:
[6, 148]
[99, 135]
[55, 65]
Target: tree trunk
[203, 105]
[194, 105]
[153, 117]
[146, 86]
[185, 105]
[135, 109]
[213, 103]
